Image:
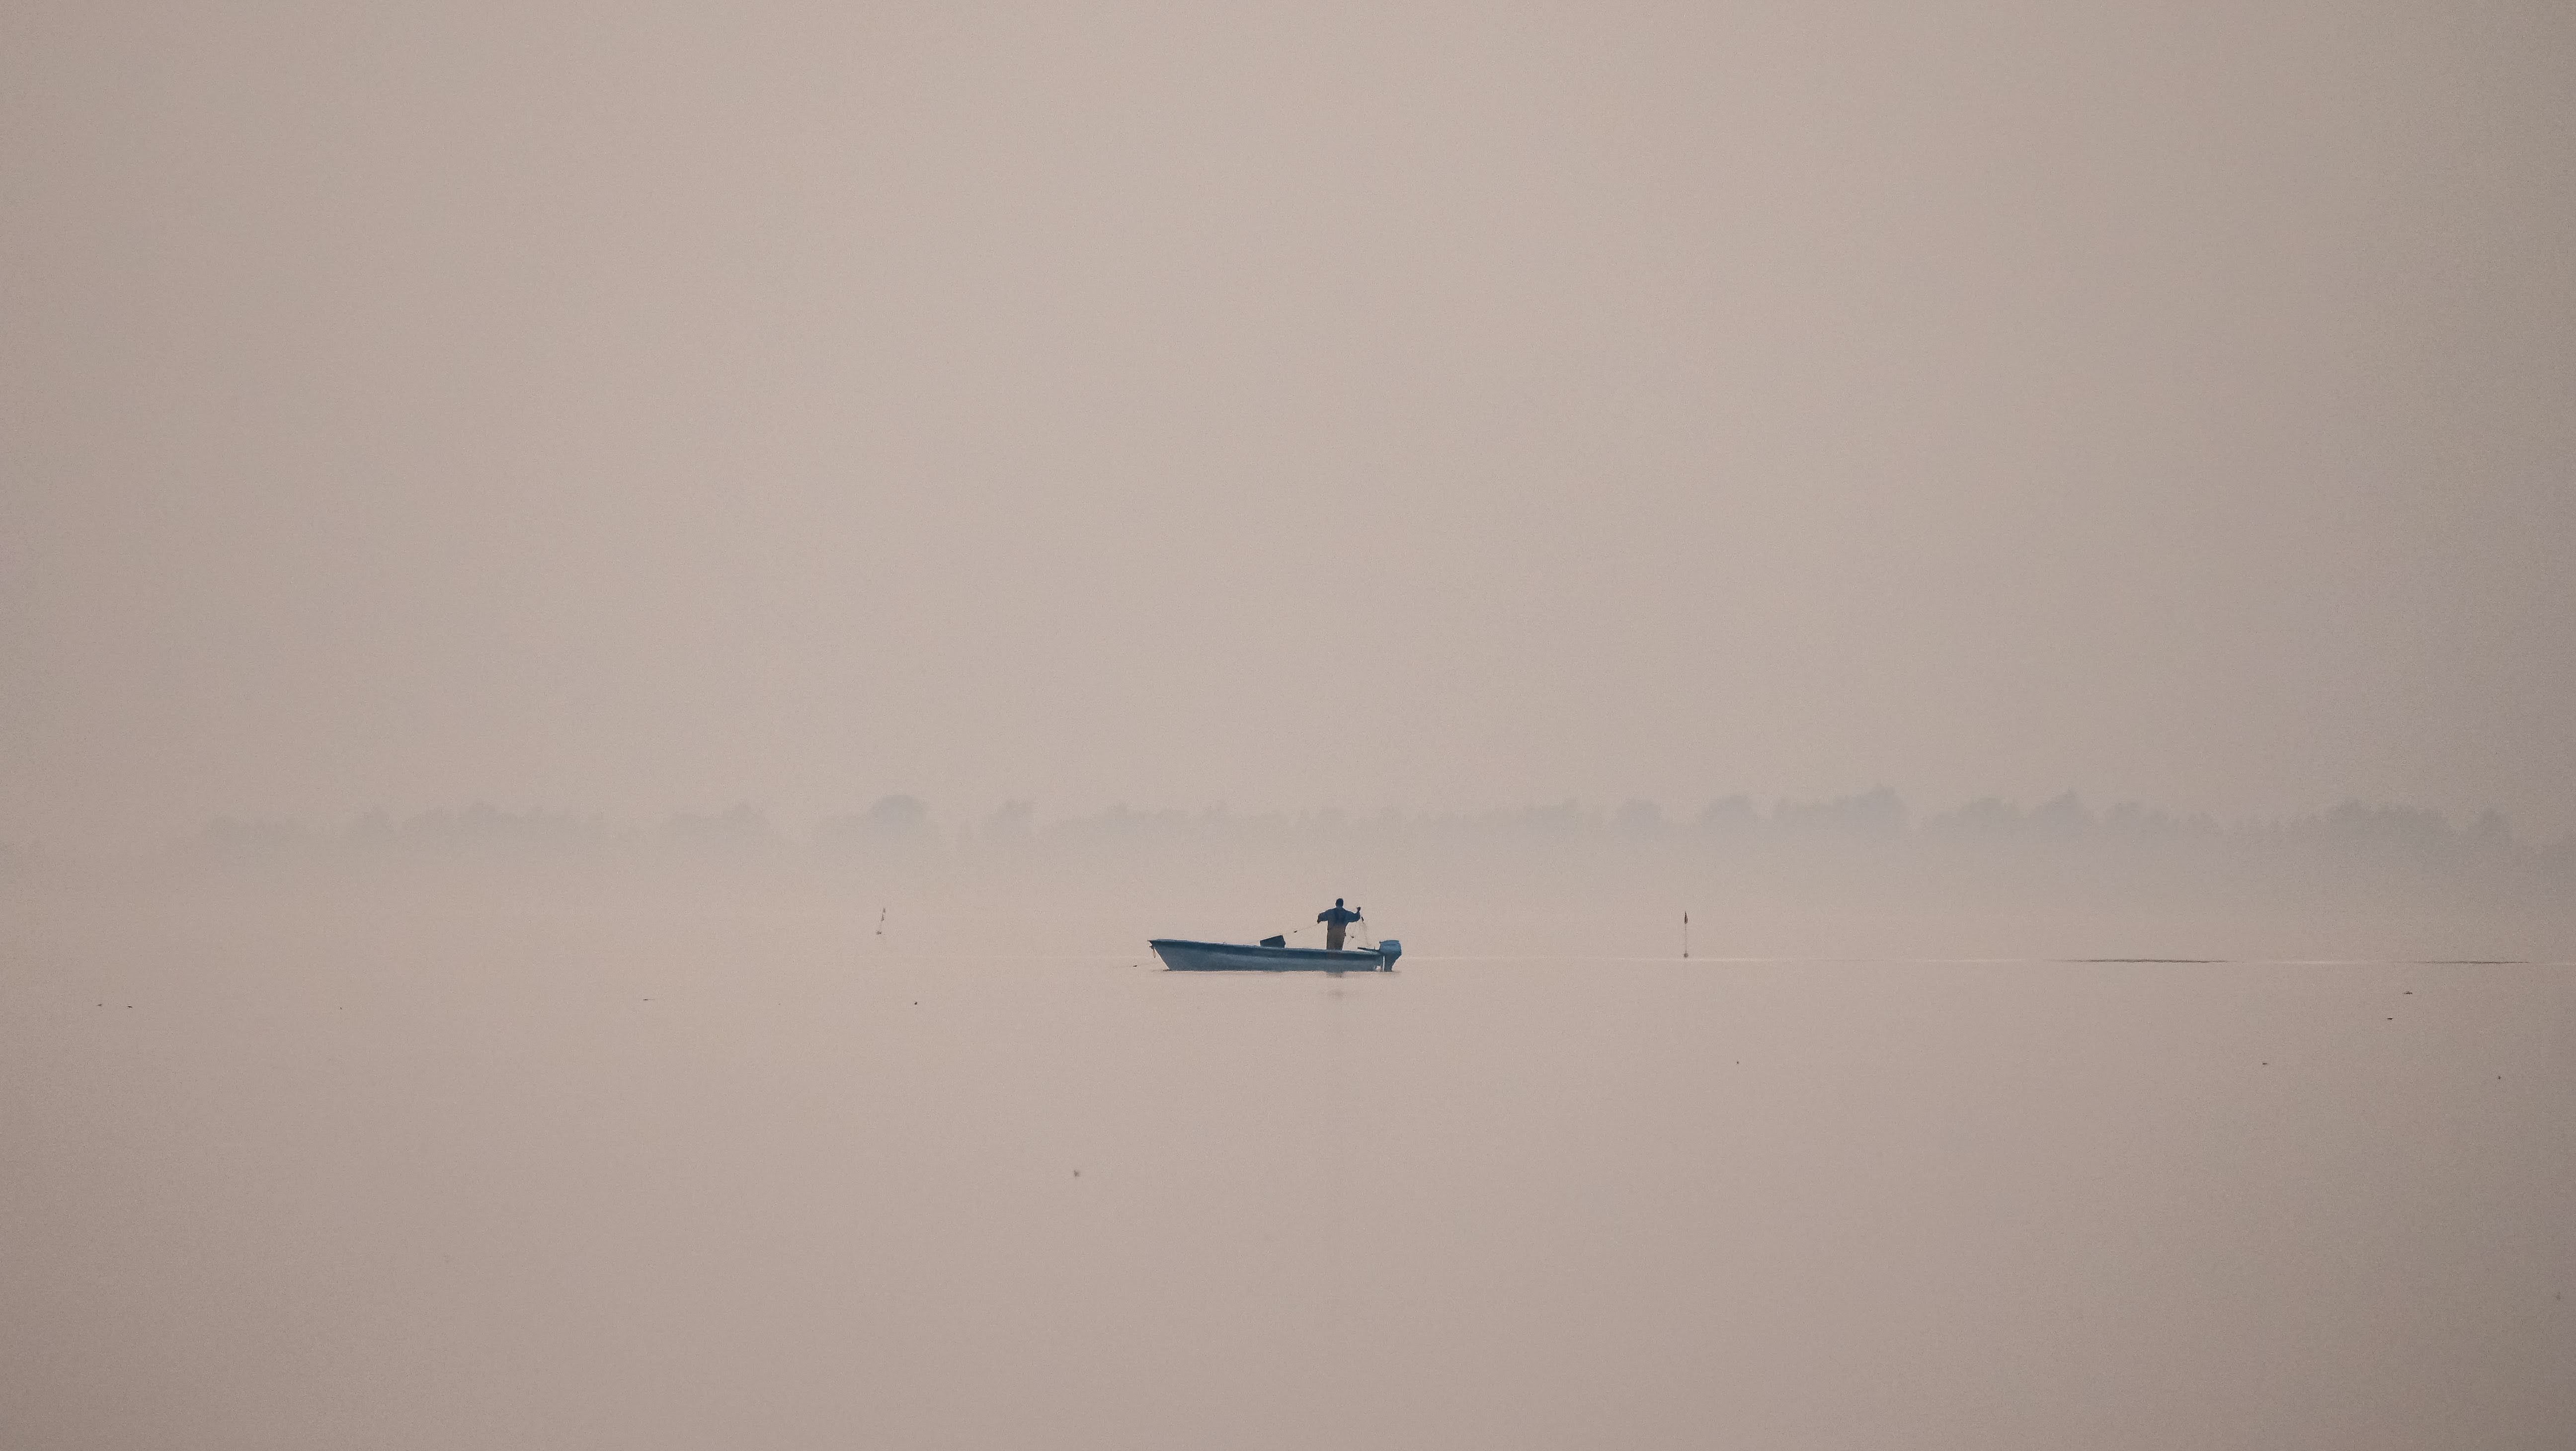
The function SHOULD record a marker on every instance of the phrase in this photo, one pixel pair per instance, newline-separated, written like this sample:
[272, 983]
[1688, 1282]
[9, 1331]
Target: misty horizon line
[902, 819]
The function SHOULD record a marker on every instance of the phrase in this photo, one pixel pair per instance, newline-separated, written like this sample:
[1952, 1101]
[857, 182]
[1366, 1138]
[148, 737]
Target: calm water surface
[722, 1190]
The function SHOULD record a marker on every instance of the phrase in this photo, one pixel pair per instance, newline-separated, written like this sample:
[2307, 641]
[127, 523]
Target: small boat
[1273, 955]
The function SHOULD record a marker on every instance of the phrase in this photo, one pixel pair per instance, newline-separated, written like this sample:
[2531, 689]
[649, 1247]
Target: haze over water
[616, 623]
[767, 1183]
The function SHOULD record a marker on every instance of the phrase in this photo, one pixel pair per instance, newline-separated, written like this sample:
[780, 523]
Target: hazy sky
[626, 407]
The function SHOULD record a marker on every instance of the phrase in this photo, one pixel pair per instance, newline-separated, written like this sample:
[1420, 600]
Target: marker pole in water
[1685, 937]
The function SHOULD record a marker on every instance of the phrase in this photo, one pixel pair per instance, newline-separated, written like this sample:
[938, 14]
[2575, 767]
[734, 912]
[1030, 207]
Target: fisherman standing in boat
[1335, 923]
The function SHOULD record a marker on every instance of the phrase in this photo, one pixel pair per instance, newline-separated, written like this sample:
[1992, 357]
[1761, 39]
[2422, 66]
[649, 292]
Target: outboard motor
[1388, 950]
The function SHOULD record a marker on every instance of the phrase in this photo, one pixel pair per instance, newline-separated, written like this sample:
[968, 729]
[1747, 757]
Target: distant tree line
[1868, 840]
